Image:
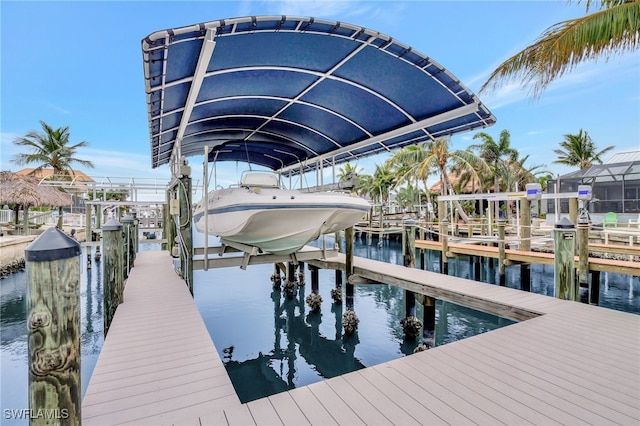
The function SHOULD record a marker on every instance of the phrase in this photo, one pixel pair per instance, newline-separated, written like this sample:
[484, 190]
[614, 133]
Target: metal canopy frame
[295, 93]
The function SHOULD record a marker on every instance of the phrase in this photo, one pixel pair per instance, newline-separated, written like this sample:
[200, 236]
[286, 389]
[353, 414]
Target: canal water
[271, 343]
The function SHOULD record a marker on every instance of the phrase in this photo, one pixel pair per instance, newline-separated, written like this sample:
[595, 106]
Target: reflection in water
[296, 335]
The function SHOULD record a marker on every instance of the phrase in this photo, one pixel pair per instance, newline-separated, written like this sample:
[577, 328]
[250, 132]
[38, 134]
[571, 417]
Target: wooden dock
[564, 363]
[158, 364]
[519, 256]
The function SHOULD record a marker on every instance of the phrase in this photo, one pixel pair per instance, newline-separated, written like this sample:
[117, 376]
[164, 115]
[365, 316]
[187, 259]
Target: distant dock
[564, 363]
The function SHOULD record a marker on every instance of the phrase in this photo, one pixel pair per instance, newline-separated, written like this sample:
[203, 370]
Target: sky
[79, 64]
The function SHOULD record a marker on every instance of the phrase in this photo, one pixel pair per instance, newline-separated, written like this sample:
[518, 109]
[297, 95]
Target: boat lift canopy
[294, 93]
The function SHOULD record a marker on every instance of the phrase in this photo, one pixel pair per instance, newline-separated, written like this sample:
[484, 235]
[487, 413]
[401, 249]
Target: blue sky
[79, 64]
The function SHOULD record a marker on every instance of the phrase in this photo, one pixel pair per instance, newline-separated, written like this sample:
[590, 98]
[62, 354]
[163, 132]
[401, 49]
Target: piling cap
[52, 244]
[112, 225]
[565, 223]
[127, 219]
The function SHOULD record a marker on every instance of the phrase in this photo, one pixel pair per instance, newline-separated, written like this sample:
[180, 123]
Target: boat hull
[277, 221]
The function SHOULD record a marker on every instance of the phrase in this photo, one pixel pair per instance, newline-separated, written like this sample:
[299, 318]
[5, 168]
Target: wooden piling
[314, 278]
[525, 242]
[444, 239]
[410, 322]
[583, 260]
[429, 321]
[348, 236]
[168, 224]
[113, 269]
[501, 252]
[127, 230]
[53, 323]
[564, 252]
[594, 288]
[185, 222]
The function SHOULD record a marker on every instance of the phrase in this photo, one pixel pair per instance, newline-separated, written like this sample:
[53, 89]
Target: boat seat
[260, 179]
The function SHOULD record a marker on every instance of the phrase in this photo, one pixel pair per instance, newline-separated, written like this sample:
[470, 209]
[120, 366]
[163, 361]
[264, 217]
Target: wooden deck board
[566, 363]
[311, 407]
[335, 404]
[158, 361]
[288, 410]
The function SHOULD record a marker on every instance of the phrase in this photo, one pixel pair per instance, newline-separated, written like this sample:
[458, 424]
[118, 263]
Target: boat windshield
[261, 179]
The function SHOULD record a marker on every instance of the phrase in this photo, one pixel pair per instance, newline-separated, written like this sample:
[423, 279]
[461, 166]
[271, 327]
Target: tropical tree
[579, 150]
[494, 154]
[613, 29]
[441, 158]
[50, 148]
[347, 171]
[406, 163]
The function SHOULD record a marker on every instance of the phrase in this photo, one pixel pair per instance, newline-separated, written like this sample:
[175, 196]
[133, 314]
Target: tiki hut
[24, 191]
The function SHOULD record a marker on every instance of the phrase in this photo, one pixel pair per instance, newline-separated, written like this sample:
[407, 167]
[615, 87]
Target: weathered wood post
[444, 239]
[525, 242]
[594, 288]
[410, 324]
[87, 225]
[113, 269]
[583, 260]
[185, 221]
[429, 321]
[573, 210]
[314, 300]
[127, 231]
[564, 255]
[336, 293]
[168, 227]
[349, 318]
[53, 322]
[501, 252]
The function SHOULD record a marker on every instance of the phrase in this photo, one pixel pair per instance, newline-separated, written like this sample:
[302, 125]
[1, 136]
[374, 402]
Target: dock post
[525, 242]
[501, 252]
[168, 227]
[410, 324]
[594, 288]
[185, 222]
[336, 293]
[444, 239]
[314, 300]
[349, 318]
[127, 231]
[113, 269]
[583, 260]
[573, 210]
[53, 323]
[564, 253]
[429, 321]
[87, 225]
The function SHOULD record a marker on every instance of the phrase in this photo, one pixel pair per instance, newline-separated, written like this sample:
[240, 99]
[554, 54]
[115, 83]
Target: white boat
[259, 213]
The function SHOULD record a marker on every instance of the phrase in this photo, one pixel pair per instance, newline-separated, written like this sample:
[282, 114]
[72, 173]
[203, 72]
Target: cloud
[56, 108]
[343, 10]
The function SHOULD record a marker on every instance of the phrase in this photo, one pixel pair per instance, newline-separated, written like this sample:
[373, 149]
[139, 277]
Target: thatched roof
[24, 190]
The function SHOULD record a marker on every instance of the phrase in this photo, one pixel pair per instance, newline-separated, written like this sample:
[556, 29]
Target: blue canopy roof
[286, 92]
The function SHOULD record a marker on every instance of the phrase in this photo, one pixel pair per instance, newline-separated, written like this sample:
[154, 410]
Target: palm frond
[563, 46]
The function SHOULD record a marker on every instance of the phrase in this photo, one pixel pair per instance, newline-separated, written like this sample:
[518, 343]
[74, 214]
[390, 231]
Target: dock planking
[564, 363]
[519, 256]
[158, 364]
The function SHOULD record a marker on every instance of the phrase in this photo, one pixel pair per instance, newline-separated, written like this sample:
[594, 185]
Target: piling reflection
[297, 336]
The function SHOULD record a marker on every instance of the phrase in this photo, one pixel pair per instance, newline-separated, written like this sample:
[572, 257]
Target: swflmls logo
[43, 413]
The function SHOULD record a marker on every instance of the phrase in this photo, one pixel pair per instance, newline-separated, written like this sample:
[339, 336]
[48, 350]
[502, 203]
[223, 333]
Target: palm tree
[51, 148]
[347, 172]
[611, 29]
[494, 154]
[440, 157]
[406, 163]
[579, 150]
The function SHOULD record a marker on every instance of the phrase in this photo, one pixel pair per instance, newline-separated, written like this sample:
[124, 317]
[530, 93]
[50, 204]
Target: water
[270, 343]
